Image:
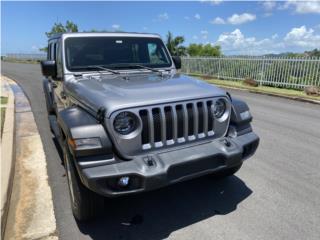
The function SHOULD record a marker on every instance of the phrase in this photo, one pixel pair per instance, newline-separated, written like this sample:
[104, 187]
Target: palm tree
[174, 45]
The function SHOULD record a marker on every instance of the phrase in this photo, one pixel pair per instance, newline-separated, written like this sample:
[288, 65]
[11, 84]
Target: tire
[226, 172]
[86, 205]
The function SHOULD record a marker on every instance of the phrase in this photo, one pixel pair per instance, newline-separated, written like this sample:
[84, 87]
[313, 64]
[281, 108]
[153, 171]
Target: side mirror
[177, 61]
[49, 68]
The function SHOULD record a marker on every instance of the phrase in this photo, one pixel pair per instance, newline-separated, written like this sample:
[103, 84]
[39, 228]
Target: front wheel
[85, 204]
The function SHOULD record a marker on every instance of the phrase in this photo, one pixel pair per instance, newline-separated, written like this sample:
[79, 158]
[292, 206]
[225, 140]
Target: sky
[250, 28]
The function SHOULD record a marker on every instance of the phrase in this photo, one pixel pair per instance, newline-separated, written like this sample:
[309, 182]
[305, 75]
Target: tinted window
[110, 51]
[49, 52]
[54, 52]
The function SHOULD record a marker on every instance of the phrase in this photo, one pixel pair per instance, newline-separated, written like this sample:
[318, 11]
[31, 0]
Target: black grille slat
[180, 118]
[145, 130]
[156, 124]
[210, 117]
[176, 123]
[200, 117]
[190, 119]
[169, 123]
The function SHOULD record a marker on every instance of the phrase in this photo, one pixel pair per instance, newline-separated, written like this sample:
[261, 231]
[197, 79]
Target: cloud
[297, 39]
[237, 19]
[204, 34]
[197, 16]
[269, 5]
[267, 14]
[302, 37]
[236, 43]
[218, 20]
[195, 37]
[302, 7]
[212, 2]
[36, 48]
[187, 18]
[116, 26]
[163, 16]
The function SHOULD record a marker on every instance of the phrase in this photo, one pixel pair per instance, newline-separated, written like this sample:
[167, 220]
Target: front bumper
[156, 170]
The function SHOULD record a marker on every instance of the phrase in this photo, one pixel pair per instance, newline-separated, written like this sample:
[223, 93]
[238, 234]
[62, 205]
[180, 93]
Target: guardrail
[272, 71]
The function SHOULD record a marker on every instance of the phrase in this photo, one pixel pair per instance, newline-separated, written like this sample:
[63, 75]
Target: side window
[59, 59]
[54, 52]
[49, 52]
[156, 56]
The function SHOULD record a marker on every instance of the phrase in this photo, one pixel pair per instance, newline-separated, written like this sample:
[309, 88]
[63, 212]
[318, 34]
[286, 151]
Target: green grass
[4, 100]
[259, 89]
[3, 113]
[14, 60]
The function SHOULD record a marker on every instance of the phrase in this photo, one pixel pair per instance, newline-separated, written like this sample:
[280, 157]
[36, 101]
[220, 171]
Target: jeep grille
[170, 124]
[176, 123]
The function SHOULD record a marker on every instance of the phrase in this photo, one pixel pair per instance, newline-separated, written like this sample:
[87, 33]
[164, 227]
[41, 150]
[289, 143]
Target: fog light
[123, 181]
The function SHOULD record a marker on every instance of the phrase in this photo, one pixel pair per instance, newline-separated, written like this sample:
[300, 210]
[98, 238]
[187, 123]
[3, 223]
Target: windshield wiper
[133, 65]
[95, 67]
[147, 68]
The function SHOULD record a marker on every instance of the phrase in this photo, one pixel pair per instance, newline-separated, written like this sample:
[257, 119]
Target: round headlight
[219, 108]
[125, 123]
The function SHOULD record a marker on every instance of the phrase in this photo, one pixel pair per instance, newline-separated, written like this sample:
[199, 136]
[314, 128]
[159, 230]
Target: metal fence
[26, 56]
[270, 71]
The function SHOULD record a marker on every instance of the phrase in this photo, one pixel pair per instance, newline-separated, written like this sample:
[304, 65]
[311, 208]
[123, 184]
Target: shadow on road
[156, 214]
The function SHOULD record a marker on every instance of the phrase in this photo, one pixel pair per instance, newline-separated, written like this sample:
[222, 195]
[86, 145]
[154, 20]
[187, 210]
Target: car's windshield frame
[114, 65]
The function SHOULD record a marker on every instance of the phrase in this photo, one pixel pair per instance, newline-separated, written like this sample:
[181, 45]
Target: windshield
[115, 52]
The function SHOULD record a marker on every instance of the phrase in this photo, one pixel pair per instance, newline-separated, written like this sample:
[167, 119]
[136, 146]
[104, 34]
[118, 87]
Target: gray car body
[115, 92]
[85, 105]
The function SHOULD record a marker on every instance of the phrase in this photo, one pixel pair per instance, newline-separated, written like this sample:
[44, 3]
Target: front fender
[78, 124]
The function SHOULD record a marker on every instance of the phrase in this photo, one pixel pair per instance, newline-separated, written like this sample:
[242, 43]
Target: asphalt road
[276, 194]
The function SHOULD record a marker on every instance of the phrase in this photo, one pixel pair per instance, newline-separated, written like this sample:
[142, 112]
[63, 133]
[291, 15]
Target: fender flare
[240, 118]
[48, 96]
[240, 112]
[76, 123]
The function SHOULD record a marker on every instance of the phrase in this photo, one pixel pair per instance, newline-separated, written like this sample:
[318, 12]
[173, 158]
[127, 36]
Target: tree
[314, 53]
[60, 28]
[174, 45]
[194, 49]
[206, 50]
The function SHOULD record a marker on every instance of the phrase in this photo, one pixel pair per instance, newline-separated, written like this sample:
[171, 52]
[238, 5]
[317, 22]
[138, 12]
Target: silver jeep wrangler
[129, 122]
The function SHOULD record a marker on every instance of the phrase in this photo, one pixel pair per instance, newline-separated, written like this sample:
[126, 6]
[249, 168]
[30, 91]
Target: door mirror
[177, 61]
[49, 68]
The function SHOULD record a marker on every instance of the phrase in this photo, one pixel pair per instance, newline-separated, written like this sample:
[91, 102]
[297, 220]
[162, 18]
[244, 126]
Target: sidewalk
[7, 151]
[31, 214]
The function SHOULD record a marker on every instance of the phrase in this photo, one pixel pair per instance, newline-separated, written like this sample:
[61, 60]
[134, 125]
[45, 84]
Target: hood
[116, 92]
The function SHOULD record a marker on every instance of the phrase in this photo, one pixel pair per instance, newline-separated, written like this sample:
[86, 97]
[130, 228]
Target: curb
[7, 156]
[271, 94]
[31, 212]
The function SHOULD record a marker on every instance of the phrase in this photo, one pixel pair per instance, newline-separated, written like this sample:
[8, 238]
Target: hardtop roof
[115, 34]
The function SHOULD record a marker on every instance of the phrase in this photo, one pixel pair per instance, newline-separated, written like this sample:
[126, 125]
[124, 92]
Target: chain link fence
[271, 71]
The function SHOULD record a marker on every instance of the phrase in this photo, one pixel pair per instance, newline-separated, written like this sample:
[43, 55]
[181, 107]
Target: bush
[250, 82]
[312, 90]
